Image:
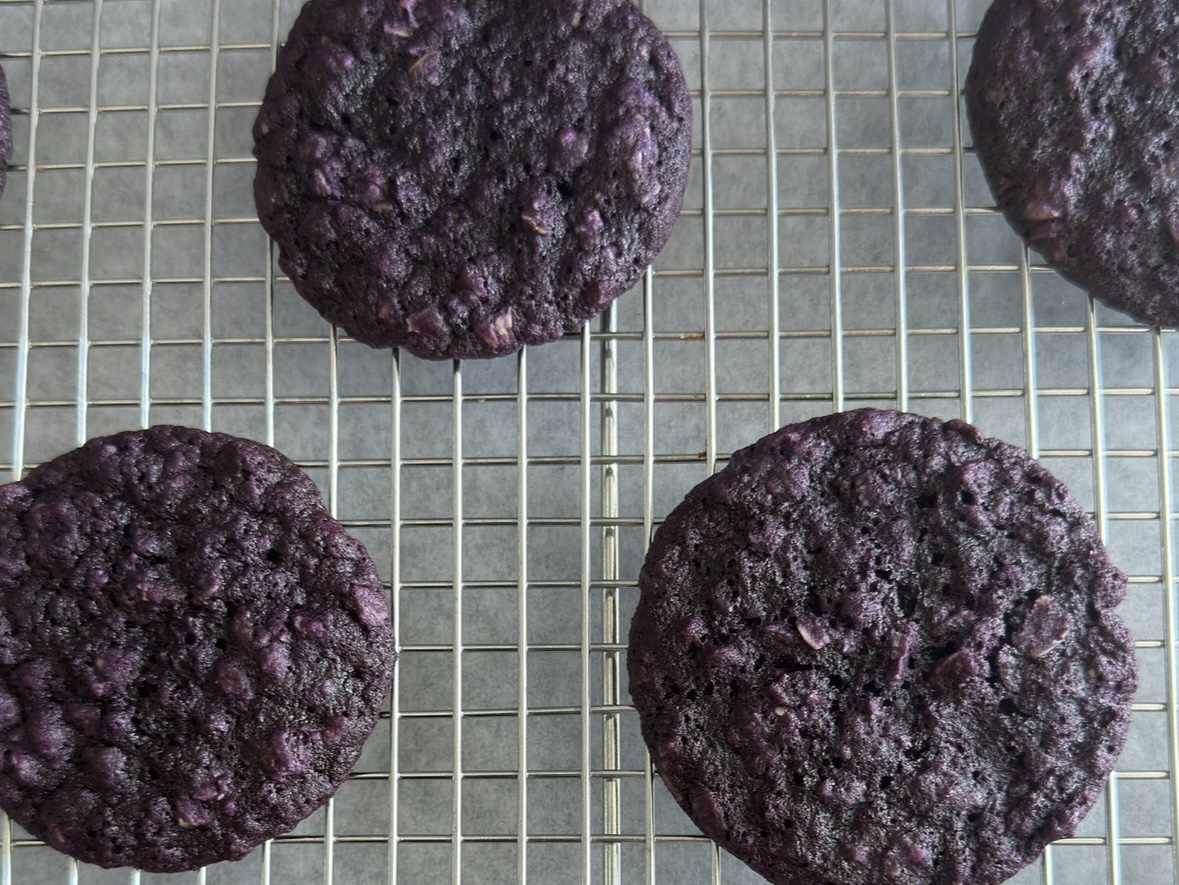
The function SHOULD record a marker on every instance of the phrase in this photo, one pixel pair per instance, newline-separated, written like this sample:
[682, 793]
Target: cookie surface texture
[1074, 109]
[464, 177]
[192, 652]
[881, 648]
[5, 131]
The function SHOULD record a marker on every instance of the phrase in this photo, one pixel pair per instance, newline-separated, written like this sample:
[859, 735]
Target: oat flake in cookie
[881, 648]
[5, 131]
[1074, 110]
[192, 651]
[464, 177]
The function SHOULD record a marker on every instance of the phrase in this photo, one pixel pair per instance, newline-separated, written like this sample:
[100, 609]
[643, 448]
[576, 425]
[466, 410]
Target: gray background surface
[508, 503]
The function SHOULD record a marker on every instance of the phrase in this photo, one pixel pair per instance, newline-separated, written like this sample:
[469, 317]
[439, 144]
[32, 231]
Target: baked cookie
[881, 648]
[5, 131]
[464, 177]
[192, 651]
[1074, 111]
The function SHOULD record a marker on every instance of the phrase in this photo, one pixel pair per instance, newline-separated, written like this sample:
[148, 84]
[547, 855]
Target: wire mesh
[838, 248]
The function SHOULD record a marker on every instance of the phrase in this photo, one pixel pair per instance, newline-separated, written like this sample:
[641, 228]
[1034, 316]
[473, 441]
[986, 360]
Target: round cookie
[881, 648]
[1074, 109]
[464, 177]
[5, 131]
[192, 651]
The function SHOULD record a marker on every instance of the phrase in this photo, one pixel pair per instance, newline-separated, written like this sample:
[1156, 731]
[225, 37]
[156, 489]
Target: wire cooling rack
[838, 248]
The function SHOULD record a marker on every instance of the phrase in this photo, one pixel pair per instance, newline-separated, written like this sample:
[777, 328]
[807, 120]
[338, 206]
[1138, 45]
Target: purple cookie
[192, 651]
[5, 131]
[464, 177]
[881, 648]
[1074, 109]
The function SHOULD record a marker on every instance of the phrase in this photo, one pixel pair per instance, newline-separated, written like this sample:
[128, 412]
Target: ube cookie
[1074, 110]
[464, 177]
[5, 131]
[192, 651]
[881, 648]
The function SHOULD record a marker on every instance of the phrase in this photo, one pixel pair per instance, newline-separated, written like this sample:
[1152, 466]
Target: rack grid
[838, 248]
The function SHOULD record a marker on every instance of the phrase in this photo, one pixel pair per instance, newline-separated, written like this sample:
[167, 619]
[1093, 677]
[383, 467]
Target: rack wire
[837, 248]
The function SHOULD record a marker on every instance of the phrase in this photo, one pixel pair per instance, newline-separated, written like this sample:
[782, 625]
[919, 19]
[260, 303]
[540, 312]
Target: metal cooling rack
[838, 248]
